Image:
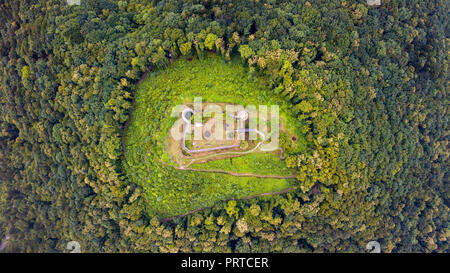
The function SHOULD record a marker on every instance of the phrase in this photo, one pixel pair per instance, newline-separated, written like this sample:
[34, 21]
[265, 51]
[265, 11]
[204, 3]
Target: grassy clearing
[169, 191]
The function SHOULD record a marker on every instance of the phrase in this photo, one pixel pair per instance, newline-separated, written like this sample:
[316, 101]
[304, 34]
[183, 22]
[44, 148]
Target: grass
[170, 192]
[256, 163]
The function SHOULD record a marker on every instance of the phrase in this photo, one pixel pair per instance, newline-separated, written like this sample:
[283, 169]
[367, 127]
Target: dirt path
[236, 174]
[230, 173]
[225, 172]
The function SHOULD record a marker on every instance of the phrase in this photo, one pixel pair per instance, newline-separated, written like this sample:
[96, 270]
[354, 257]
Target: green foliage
[25, 72]
[370, 151]
[245, 51]
[210, 41]
[186, 48]
[232, 210]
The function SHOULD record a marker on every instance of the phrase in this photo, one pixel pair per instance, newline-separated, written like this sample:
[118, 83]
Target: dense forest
[368, 85]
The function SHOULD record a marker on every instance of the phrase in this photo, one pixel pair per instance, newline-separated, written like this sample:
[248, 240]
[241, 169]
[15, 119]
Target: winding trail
[237, 174]
[229, 172]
